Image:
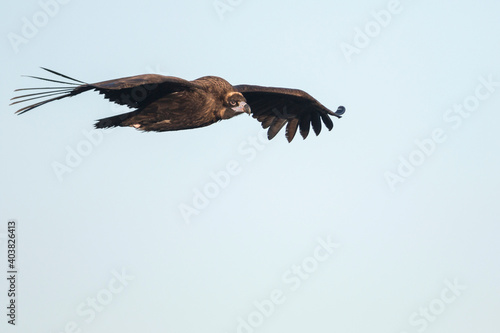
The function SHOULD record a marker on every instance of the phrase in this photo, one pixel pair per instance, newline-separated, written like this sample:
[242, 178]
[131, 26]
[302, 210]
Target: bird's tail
[115, 121]
[72, 88]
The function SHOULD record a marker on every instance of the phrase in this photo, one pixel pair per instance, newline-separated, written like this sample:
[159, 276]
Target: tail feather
[115, 121]
[72, 89]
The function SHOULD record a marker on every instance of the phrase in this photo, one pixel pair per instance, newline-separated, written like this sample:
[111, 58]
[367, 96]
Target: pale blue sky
[405, 185]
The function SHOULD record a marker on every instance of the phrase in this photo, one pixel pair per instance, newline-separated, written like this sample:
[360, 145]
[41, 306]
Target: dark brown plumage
[166, 103]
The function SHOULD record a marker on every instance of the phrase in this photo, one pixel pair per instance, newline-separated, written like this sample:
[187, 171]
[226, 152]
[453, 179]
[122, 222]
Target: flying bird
[167, 103]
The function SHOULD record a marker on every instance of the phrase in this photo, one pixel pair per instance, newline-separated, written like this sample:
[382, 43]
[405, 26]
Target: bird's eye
[233, 103]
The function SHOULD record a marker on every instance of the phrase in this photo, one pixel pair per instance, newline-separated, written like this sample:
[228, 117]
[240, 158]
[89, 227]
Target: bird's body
[166, 103]
[176, 110]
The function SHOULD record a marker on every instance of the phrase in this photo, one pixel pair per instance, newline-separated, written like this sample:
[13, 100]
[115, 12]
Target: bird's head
[235, 104]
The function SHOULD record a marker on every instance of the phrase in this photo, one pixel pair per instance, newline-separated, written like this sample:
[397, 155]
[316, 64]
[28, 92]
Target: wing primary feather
[291, 129]
[22, 89]
[62, 75]
[305, 124]
[46, 94]
[31, 107]
[275, 127]
[51, 80]
[340, 111]
[316, 122]
[327, 121]
[268, 121]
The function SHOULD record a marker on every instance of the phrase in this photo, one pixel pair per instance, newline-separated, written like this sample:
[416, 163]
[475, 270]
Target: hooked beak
[242, 107]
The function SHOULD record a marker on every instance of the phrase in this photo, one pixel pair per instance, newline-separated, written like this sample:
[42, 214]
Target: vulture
[167, 103]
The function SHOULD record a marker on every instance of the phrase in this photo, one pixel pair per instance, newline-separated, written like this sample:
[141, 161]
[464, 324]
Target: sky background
[388, 223]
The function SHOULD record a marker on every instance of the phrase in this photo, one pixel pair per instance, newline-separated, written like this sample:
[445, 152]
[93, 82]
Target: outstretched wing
[275, 107]
[135, 91]
[141, 90]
